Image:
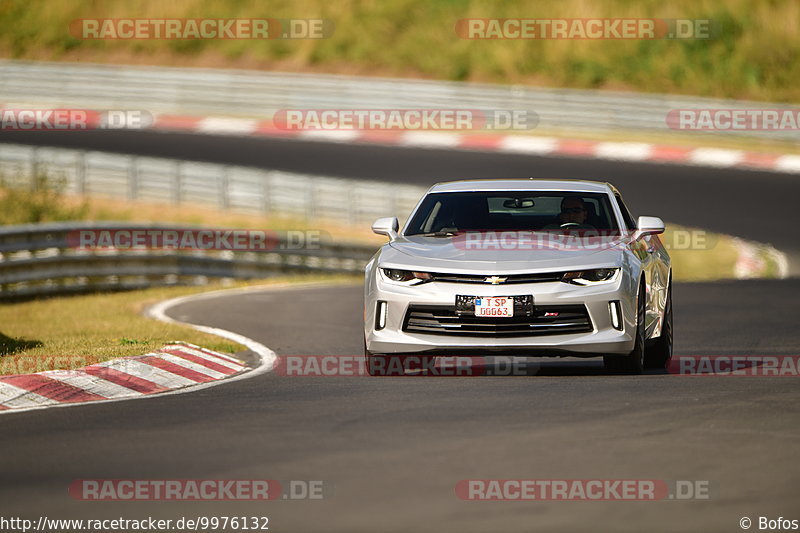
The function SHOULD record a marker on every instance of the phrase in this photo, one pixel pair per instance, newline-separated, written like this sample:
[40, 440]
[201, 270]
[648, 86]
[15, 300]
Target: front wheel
[634, 362]
[659, 354]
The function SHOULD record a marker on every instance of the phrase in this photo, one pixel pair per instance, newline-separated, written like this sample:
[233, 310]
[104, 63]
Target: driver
[573, 214]
[573, 210]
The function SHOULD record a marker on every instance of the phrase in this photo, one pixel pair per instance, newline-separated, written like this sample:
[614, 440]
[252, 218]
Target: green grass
[756, 54]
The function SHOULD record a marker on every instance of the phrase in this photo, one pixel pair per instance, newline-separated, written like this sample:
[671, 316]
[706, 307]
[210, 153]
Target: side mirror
[386, 226]
[648, 226]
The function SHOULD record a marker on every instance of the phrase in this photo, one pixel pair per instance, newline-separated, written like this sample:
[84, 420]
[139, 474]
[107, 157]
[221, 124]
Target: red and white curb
[519, 144]
[172, 367]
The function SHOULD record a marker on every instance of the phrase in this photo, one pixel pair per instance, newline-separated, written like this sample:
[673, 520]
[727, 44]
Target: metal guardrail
[226, 187]
[260, 94]
[39, 260]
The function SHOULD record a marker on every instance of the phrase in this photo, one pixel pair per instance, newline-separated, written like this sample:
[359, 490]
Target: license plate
[494, 306]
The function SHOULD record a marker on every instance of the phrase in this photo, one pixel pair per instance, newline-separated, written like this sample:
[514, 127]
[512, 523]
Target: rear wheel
[634, 362]
[659, 354]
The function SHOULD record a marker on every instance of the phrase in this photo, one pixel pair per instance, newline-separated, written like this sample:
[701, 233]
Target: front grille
[443, 320]
[510, 279]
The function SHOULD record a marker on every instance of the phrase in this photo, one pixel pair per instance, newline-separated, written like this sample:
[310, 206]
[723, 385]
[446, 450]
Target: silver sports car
[520, 267]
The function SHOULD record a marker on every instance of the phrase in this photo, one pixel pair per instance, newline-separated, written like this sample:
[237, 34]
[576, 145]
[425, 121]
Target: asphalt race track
[391, 450]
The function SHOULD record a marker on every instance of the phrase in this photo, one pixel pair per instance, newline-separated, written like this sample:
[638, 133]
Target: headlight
[406, 275]
[587, 277]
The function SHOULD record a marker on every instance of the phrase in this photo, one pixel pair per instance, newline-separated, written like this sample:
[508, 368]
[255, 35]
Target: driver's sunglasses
[573, 210]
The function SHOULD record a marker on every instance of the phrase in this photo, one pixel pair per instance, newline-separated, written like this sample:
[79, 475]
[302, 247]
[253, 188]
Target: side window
[626, 215]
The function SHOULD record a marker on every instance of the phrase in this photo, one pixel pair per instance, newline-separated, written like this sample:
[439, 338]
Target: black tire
[632, 363]
[659, 353]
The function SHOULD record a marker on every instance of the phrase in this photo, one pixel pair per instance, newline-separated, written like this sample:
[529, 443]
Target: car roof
[522, 184]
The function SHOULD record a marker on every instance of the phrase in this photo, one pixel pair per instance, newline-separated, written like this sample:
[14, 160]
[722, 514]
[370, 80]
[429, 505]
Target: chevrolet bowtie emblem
[494, 280]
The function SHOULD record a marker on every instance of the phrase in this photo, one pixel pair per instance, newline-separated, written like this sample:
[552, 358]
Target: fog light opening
[380, 315]
[616, 314]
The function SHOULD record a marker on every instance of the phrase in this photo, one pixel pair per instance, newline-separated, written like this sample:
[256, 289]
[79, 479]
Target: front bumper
[603, 337]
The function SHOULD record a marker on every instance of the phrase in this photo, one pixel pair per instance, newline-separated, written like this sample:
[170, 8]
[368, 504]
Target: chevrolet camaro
[520, 267]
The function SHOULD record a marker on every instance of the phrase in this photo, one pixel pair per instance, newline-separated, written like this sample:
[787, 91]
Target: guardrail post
[224, 189]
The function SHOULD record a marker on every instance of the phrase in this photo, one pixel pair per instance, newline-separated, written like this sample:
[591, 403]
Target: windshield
[452, 212]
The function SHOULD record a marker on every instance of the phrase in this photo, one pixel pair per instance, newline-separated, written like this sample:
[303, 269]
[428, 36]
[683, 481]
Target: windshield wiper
[435, 234]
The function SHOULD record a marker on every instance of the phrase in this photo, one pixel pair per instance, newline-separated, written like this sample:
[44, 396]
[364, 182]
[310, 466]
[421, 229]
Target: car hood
[447, 254]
